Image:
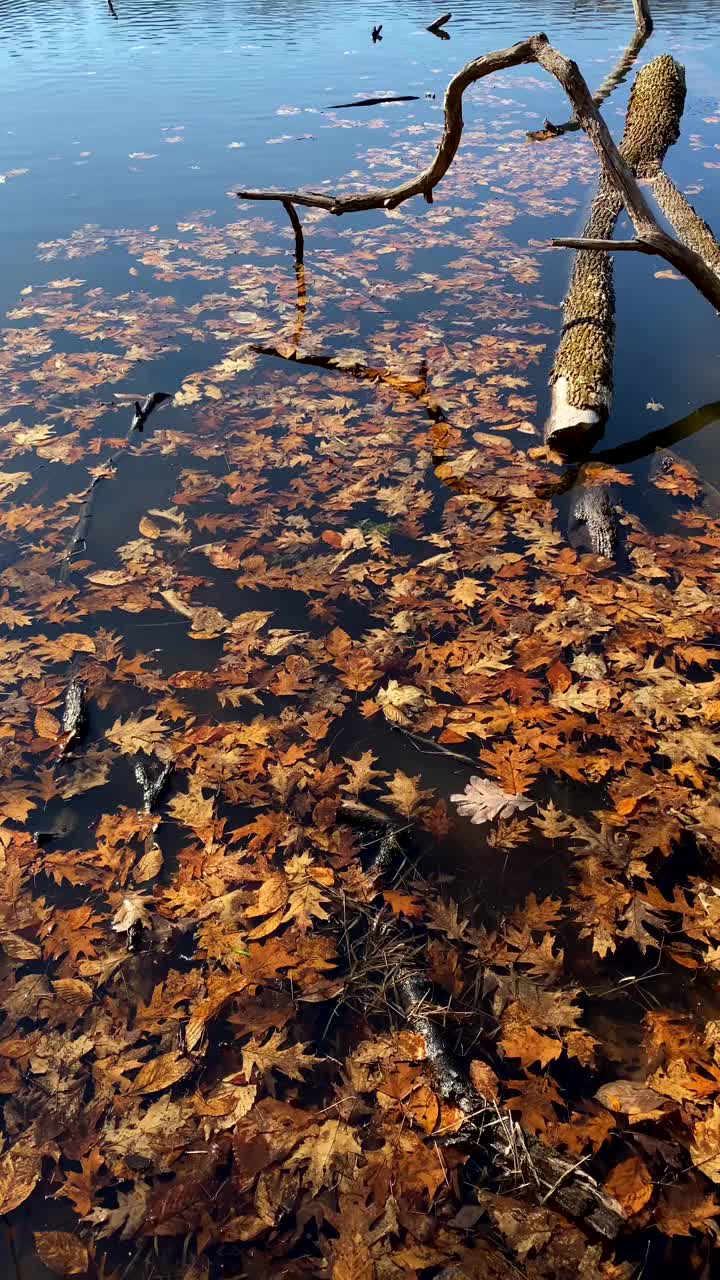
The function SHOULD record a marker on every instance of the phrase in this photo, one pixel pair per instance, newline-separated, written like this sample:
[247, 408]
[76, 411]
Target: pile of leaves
[317, 598]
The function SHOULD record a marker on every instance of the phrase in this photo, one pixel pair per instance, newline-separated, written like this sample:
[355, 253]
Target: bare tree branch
[539, 50]
[641, 34]
[586, 242]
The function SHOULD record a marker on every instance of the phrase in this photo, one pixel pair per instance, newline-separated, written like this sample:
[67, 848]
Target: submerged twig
[541, 1170]
[151, 787]
[437, 26]
[73, 717]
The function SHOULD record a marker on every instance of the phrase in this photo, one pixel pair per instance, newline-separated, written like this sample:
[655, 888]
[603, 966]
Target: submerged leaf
[483, 800]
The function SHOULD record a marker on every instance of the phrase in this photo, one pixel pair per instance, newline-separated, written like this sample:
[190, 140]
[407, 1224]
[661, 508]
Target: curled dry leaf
[398, 699]
[631, 1099]
[132, 911]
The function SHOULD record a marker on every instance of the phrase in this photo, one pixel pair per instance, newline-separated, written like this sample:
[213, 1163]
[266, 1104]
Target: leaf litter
[202, 1049]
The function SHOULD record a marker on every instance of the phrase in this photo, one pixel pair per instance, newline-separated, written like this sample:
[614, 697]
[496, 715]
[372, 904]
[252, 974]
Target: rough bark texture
[581, 377]
[592, 525]
[688, 224]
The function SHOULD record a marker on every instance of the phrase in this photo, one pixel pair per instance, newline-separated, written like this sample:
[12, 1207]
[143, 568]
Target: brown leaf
[290, 1061]
[631, 1099]
[20, 1169]
[161, 1073]
[404, 794]
[631, 1185]
[63, 1253]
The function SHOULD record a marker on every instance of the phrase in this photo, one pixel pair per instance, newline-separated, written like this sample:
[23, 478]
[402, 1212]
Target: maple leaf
[271, 1056]
[331, 1147]
[483, 800]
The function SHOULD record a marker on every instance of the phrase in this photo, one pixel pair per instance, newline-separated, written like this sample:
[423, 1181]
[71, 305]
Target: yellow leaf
[148, 528]
[160, 1073]
[46, 726]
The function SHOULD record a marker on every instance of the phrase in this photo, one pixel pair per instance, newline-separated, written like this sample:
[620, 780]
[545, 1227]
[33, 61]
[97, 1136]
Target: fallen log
[592, 525]
[581, 377]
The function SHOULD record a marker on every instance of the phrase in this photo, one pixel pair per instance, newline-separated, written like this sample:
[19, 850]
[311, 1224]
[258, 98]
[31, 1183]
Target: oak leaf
[147, 734]
[404, 794]
[483, 800]
[467, 592]
[398, 699]
[514, 767]
[290, 1061]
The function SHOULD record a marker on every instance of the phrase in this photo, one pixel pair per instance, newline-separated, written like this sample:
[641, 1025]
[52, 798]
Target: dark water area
[126, 130]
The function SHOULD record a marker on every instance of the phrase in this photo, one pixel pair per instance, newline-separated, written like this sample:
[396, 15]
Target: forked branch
[537, 49]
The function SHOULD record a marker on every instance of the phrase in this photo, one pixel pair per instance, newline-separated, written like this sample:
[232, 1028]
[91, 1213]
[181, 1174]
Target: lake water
[129, 266]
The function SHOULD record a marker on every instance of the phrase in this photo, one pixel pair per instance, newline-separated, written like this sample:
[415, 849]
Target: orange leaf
[630, 1184]
[160, 1073]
